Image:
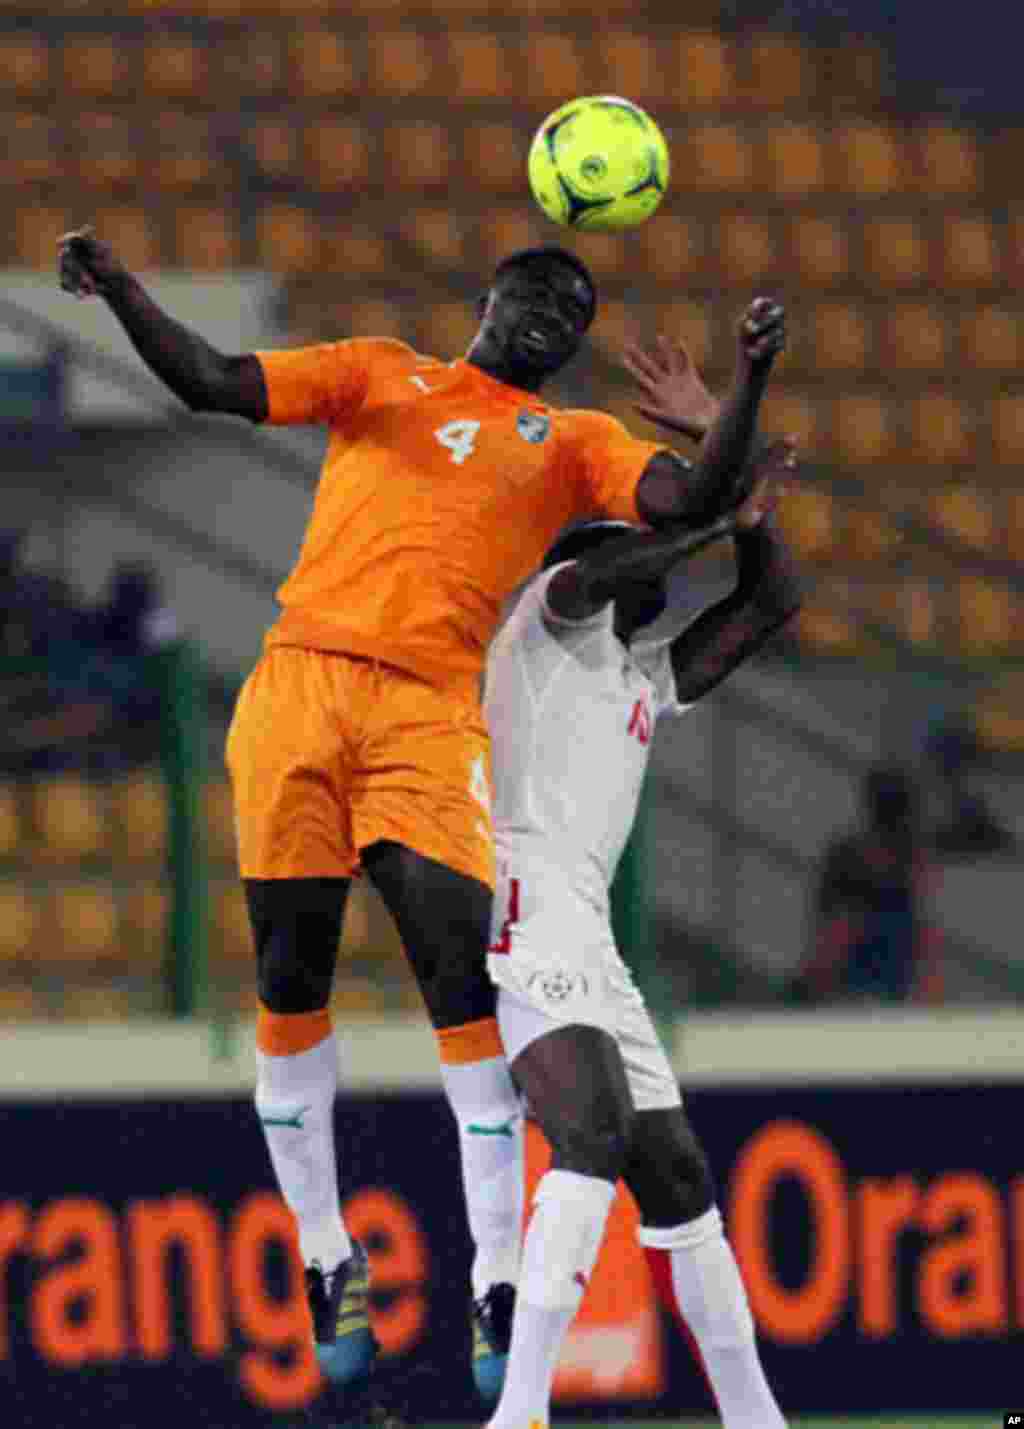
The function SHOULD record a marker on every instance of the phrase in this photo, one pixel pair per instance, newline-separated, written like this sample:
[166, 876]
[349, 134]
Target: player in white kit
[572, 697]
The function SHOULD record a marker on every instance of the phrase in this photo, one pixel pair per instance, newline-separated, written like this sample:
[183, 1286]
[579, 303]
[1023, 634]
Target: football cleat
[339, 1300]
[492, 1336]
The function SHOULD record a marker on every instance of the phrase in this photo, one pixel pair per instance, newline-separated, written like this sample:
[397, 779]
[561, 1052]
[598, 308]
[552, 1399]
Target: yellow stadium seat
[502, 230]
[969, 256]
[24, 65]
[555, 70]
[131, 232]
[716, 158]
[96, 1002]
[250, 65]
[791, 161]
[793, 415]
[205, 238]
[689, 323]
[185, 155]
[853, 75]
[744, 250]
[986, 616]
[860, 429]
[914, 337]
[418, 155]
[358, 996]
[990, 338]
[11, 831]
[947, 162]
[21, 1002]
[672, 249]
[37, 228]
[336, 154]
[84, 924]
[870, 534]
[219, 821]
[20, 921]
[962, 512]
[998, 715]
[630, 63]
[69, 820]
[140, 814]
[356, 253]
[479, 65]
[436, 233]
[32, 150]
[106, 154]
[938, 430]
[94, 66]
[841, 337]
[1006, 419]
[867, 160]
[400, 63]
[287, 238]
[808, 519]
[145, 919]
[230, 933]
[607, 255]
[895, 252]
[824, 630]
[902, 608]
[494, 155]
[272, 145]
[1013, 524]
[174, 67]
[321, 65]
[374, 317]
[700, 70]
[818, 251]
[778, 72]
[615, 326]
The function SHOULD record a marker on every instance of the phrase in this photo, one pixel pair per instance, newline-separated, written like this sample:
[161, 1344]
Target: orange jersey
[440, 491]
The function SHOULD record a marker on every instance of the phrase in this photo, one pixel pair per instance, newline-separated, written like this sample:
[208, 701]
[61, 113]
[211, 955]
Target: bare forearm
[765, 569]
[717, 481]
[186, 362]
[640, 559]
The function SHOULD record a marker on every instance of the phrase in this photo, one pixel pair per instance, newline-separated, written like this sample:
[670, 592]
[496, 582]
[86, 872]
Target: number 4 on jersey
[459, 437]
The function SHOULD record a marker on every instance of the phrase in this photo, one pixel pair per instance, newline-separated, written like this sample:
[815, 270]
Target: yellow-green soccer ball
[599, 162]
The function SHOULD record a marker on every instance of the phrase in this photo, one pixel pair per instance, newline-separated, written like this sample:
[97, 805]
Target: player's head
[534, 315]
[642, 603]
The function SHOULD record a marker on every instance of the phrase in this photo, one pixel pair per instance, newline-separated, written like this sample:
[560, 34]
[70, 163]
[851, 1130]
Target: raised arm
[767, 592]
[206, 380]
[669, 492]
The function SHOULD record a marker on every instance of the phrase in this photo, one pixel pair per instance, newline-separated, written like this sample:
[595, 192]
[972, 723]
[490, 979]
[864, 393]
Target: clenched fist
[86, 265]
[762, 333]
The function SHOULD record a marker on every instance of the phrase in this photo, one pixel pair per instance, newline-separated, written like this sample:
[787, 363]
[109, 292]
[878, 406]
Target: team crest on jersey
[558, 984]
[532, 426]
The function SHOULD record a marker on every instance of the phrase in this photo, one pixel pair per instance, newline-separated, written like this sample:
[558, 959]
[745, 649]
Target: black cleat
[492, 1318]
[339, 1304]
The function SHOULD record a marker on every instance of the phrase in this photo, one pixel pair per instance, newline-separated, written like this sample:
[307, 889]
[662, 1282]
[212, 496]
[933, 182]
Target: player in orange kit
[358, 743]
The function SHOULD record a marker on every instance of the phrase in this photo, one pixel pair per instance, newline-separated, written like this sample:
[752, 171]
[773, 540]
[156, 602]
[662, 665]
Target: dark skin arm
[206, 380]
[669, 492]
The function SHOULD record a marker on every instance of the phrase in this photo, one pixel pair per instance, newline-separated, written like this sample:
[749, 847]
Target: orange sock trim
[470, 1042]
[284, 1034]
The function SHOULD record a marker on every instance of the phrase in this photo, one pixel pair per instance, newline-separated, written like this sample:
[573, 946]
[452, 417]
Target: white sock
[562, 1241]
[490, 1121]
[295, 1102]
[706, 1292]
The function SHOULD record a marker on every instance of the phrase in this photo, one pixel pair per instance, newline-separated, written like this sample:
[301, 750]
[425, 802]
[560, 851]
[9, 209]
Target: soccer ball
[599, 162]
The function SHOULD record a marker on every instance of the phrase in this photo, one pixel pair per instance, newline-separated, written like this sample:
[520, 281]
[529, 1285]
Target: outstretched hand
[775, 464]
[762, 334]
[673, 391]
[85, 264]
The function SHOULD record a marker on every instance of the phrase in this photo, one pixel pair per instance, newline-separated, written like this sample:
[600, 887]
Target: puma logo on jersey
[640, 722]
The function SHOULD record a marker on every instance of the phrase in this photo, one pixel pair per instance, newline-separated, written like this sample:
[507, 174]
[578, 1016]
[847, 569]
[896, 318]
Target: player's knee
[668, 1172]
[288, 983]
[594, 1146]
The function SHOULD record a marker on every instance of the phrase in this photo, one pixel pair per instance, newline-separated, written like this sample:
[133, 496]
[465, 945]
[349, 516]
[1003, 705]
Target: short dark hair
[553, 253]
[587, 537]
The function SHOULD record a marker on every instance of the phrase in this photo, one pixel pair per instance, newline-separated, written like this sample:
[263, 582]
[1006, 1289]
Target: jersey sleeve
[320, 385]
[607, 463]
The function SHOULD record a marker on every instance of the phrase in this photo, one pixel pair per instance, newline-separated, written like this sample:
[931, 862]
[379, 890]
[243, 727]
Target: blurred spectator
[873, 942]
[967, 826]
[35, 609]
[92, 704]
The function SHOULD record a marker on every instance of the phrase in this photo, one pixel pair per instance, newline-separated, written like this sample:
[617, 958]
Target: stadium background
[289, 172]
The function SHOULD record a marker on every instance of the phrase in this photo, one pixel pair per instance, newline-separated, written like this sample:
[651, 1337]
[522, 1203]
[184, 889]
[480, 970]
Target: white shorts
[554, 961]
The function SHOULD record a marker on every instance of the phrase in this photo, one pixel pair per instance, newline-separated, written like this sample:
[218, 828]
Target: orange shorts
[329, 753]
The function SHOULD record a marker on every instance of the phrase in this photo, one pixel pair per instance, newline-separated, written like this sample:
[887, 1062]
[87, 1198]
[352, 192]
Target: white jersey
[571, 712]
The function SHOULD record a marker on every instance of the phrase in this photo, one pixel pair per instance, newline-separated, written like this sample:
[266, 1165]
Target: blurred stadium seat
[672, 250]
[230, 934]
[84, 924]
[948, 163]
[174, 67]
[336, 154]
[990, 338]
[968, 255]
[986, 616]
[502, 230]
[479, 65]
[743, 249]
[791, 414]
[1006, 419]
[860, 429]
[107, 156]
[1011, 522]
[11, 833]
[20, 1001]
[895, 253]
[607, 255]
[818, 251]
[938, 430]
[841, 337]
[320, 64]
[808, 518]
[716, 158]
[69, 820]
[914, 337]
[140, 816]
[400, 63]
[287, 238]
[218, 813]
[778, 72]
[853, 74]
[823, 629]
[361, 254]
[629, 62]
[33, 152]
[37, 228]
[94, 67]
[418, 155]
[555, 71]
[964, 513]
[998, 715]
[700, 74]
[184, 156]
[867, 160]
[493, 156]
[691, 324]
[273, 147]
[96, 1002]
[870, 534]
[205, 238]
[249, 65]
[131, 232]
[24, 66]
[145, 918]
[20, 921]
[790, 161]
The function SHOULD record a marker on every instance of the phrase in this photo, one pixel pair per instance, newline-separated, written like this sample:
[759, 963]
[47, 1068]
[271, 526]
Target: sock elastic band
[284, 1034]
[470, 1042]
